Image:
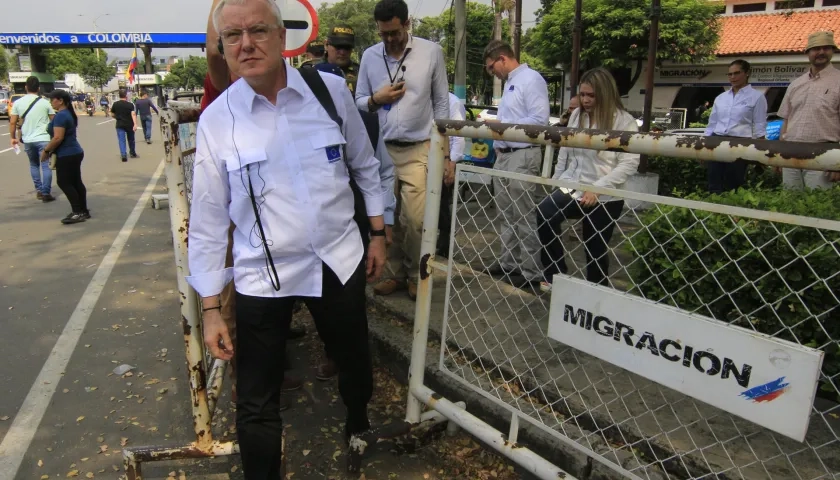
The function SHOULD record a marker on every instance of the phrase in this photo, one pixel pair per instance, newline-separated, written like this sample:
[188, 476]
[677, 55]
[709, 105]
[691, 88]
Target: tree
[187, 74]
[357, 14]
[615, 33]
[97, 73]
[441, 29]
[61, 61]
[4, 63]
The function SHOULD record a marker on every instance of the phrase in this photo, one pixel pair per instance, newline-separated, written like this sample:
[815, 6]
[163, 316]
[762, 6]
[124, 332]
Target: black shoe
[124, 159]
[296, 332]
[72, 218]
[134, 155]
[86, 215]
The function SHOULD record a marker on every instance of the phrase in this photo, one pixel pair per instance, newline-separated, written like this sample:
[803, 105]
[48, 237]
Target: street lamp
[95, 27]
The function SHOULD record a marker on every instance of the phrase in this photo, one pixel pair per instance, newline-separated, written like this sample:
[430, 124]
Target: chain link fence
[768, 273]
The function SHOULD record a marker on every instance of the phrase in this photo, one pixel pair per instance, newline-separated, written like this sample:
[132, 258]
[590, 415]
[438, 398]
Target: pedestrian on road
[28, 125]
[403, 79]
[68, 165]
[601, 108]
[145, 105]
[811, 109]
[524, 101]
[123, 111]
[247, 140]
[740, 112]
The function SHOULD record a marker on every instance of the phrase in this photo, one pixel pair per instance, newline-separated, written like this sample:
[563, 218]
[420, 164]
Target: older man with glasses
[403, 79]
[740, 112]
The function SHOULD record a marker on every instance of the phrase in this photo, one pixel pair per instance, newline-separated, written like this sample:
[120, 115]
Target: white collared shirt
[300, 182]
[524, 100]
[457, 111]
[594, 167]
[742, 114]
[426, 97]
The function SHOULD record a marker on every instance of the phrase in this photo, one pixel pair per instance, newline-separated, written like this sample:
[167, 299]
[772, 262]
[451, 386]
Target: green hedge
[758, 284]
[679, 177]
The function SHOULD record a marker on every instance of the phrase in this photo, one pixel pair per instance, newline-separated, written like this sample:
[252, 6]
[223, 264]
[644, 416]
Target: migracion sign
[757, 377]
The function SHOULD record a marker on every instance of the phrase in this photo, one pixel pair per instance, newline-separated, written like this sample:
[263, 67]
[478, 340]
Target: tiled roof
[777, 32]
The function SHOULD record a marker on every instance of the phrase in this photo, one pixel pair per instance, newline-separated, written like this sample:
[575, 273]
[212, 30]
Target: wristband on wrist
[377, 233]
[217, 307]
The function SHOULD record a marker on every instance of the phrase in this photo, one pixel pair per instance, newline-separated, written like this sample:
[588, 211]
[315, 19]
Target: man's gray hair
[217, 12]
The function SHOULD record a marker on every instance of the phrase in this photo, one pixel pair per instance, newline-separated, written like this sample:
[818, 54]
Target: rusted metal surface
[809, 156]
[358, 445]
[214, 384]
[186, 112]
[134, 457]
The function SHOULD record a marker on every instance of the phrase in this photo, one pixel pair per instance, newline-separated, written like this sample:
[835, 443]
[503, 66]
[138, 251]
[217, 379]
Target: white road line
[23, 429]
[4, 134]
[106, 121]
[6, 150]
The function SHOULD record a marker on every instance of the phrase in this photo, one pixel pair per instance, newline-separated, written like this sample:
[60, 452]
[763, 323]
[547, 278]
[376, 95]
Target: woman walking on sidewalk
[65, 146]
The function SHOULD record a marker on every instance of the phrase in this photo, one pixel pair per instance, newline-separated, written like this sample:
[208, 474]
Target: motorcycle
[90, 110]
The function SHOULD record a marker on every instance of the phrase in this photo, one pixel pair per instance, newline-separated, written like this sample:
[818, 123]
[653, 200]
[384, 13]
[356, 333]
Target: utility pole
[577, 31]
[461, 49]
[497, 35]
[517, 29]
[653, 41]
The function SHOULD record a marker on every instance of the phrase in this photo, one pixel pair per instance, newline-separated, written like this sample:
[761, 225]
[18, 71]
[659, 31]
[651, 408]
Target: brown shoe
[47, 198]
[39, 196]
[291, 383]
[412, 290]
[327, 370]
[387, 287]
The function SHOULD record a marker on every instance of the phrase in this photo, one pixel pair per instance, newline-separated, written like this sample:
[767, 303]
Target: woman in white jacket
[600, 108]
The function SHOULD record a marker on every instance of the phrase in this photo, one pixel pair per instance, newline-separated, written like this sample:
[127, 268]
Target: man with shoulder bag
[28, 125]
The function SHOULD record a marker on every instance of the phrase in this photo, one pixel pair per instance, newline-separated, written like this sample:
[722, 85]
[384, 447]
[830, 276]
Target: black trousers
[68, 172]
[598, 226]
[723, 177]
[262, 326]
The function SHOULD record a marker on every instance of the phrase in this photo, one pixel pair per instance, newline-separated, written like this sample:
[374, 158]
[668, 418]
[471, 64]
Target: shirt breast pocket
[250, 164]
[328, 152]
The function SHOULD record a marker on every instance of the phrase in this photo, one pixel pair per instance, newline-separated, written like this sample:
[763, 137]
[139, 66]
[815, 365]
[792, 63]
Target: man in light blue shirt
[524, 101]
[33, 113]
[740, 112]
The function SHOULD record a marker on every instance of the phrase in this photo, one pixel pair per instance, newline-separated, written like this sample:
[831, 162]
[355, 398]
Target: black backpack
[371, 120]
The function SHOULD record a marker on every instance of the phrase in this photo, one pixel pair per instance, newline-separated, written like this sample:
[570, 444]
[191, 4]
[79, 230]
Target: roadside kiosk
[18, 81]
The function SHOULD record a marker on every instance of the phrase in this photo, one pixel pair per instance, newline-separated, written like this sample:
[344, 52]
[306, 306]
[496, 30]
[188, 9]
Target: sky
[131, 16]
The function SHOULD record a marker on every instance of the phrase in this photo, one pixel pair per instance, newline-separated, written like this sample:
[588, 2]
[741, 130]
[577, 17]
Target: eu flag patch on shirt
[333, 153]
[511, 88]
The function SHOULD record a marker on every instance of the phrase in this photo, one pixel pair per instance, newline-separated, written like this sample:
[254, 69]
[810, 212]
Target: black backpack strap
[371, 121]
[319, 88]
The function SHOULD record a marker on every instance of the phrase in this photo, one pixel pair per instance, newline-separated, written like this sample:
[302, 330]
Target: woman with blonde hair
[600, 108]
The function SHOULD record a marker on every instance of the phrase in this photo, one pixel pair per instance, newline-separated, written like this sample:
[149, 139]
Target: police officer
[340, 44]
[314, 54]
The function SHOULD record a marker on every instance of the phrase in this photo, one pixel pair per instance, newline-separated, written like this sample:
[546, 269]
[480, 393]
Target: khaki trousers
[410, 189]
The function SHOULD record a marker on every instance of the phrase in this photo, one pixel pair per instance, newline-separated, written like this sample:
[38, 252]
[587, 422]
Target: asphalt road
[77, 301]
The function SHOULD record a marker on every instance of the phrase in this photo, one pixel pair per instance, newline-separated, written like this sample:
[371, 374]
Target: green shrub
[701, 262]
[679, 177]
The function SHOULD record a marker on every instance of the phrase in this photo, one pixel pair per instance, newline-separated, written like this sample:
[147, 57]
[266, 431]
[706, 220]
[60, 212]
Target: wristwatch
[377, 233]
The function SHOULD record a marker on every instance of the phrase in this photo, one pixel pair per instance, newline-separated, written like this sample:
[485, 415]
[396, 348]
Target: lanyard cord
[399, 65]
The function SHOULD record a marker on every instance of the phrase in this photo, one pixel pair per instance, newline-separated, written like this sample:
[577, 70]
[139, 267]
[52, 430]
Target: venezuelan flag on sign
[132, 66]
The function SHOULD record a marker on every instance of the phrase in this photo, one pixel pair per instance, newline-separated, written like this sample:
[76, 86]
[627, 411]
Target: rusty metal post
[434, 183]
[215, 381]
[577, 32]
[179, 221]
[517, 30]
[653, 41]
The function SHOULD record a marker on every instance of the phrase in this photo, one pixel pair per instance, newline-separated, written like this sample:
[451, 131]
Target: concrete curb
[391, 337]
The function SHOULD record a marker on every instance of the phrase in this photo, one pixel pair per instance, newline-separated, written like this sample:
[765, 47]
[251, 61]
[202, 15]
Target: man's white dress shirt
[457, 111]
[742, 114]
[524, 100]
[300, 181]
[426, 97]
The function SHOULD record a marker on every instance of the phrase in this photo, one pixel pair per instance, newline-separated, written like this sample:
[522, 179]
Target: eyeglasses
[389, 34]
[732, 74]
[492, 66]
[258, 33]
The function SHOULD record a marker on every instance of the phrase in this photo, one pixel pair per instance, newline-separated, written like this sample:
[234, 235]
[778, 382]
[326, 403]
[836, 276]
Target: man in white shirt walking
[34, 113]
[403, 79]
[740, 112]
[270, 159]
[524, 101]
